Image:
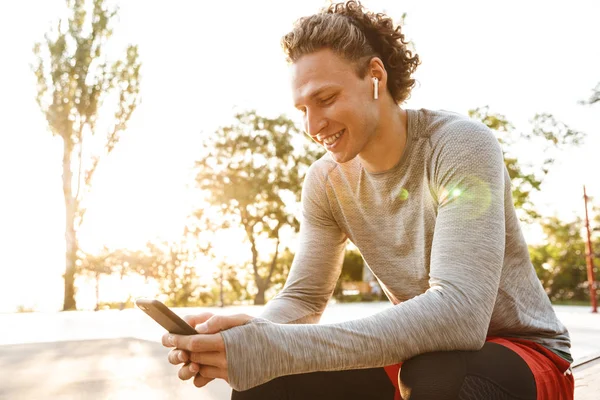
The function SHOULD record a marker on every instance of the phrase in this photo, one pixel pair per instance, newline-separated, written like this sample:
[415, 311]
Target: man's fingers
[208, 371]
[188, 371]
[194, 343]
[218, 323]
[213, 325]
[194, 320]
[200, 381]
[215, 358]
[178, 357]
[168, 340]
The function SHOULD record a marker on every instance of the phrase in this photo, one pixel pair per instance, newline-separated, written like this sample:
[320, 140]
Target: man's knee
[494, 372]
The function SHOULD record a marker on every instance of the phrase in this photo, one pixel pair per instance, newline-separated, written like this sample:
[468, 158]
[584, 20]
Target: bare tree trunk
[259, 299]
[70, 234]
[97, 292]
[274, 260]
[263, 284]
[221, 286]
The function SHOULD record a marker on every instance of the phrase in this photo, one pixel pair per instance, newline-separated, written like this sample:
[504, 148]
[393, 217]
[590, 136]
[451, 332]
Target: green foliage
[284, 263]
[171, 265]
[360, 298]
[24, 309]
[74, 78]
[103, 262]
[594, 97]
[115, 305]
[251, 163]
[352, 271]
[235, 290]
[352, 268]
[250, 167]
[584, 303]
[555, 133]
[560, 263]
[548, 136]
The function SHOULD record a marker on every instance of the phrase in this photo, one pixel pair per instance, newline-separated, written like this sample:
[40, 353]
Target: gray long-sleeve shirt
[440, 233]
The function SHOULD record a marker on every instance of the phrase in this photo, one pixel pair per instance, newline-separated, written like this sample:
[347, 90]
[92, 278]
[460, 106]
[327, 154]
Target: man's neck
[385, 149]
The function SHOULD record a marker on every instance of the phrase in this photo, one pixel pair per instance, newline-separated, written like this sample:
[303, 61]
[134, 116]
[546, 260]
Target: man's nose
[314, 123]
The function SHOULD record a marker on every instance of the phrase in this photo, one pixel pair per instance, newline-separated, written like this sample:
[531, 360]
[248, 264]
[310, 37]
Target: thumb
[194, 320]
[218, 323]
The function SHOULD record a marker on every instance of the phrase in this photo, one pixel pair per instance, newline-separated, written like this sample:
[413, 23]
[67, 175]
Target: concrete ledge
[585, 360]
[587, 377]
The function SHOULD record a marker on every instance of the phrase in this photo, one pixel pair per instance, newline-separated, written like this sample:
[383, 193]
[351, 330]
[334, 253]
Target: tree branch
[274, 261]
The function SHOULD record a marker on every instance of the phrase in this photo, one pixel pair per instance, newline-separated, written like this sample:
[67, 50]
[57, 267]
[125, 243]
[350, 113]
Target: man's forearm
[288, 309]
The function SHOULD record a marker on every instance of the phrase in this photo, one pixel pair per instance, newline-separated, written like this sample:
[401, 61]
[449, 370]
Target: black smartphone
[165, 317]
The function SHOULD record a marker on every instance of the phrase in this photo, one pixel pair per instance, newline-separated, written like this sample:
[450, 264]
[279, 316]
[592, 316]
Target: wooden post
[590, 256]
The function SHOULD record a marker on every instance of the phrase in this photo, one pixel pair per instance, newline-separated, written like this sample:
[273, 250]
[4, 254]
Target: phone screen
[165, 317]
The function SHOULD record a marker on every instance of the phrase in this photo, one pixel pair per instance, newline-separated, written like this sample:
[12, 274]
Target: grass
[571, 303]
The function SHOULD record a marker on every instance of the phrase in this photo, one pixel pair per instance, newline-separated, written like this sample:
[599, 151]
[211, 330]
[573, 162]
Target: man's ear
[377, 70]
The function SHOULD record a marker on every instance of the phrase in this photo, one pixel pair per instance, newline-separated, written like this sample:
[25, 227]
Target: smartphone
[165, 317]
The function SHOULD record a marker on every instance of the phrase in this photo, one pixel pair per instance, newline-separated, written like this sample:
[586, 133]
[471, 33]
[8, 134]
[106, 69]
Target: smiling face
[338, 108]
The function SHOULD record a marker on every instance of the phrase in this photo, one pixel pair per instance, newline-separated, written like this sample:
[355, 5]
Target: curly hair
[356, 35]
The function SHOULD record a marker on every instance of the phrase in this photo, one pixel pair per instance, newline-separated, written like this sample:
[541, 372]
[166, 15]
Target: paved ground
[95, 369]
[116, 355]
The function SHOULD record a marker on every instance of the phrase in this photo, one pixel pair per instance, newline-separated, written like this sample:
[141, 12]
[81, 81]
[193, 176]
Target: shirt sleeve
[467, 181]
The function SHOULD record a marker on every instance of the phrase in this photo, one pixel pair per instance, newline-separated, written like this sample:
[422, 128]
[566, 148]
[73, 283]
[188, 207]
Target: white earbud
[375, 88]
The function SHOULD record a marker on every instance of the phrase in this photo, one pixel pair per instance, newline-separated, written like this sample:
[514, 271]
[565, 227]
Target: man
[426, 198]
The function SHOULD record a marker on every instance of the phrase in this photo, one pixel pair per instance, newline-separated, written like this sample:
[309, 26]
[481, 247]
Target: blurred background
[151, 148]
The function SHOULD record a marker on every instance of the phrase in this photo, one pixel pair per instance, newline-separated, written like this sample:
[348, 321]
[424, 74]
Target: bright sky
[203, 60]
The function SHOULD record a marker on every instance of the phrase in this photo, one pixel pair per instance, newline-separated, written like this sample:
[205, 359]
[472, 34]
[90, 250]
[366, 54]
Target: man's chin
[341, 158]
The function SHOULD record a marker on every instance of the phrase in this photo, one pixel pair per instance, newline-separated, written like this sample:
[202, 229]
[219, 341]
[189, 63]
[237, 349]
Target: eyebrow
[318, 92]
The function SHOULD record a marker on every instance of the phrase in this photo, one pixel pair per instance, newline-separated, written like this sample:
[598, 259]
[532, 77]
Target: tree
[560, 262]
[548, 134]
[230, 288]
[97, 265]
[250, 167]
[74, 80]
[594, 97]
[352, 271]
[173, 265]
[280, 275]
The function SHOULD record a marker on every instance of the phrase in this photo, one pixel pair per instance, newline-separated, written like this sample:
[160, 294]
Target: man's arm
[318, 260]
[454, 314]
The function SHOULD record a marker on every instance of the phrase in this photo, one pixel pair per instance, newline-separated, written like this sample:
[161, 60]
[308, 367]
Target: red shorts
[548, 369]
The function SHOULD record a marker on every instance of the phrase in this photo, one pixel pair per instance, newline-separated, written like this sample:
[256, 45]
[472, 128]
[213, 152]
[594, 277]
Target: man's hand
[181, 356]
[203, 355]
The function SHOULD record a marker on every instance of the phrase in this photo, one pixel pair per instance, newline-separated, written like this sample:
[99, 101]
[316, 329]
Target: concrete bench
[587, 378]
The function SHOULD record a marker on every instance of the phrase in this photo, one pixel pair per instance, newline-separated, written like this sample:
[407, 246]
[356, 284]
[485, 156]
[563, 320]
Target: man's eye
[328, 100]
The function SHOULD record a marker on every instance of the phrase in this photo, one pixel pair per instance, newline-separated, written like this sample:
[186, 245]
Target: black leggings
[492, 373]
